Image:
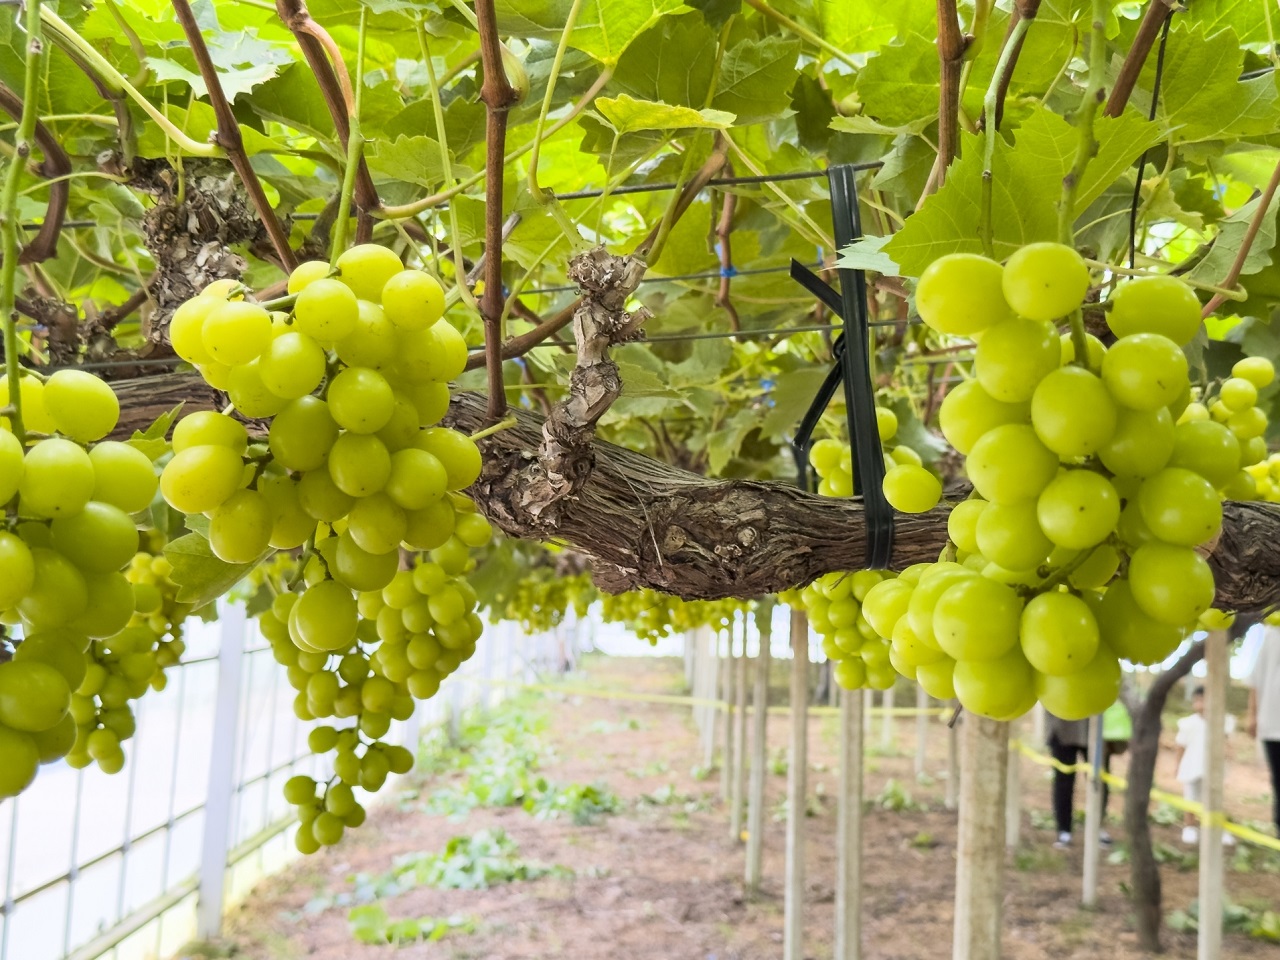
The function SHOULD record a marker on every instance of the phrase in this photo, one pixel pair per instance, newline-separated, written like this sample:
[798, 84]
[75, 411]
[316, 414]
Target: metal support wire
[853, 368]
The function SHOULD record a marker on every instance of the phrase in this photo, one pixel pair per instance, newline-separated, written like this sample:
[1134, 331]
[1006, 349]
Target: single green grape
[361, 400]
[1078, 509]
[292, 365]
[123, 476]
[33, 695]
[1002, 689]
[1142, 443]
[210, 427]
[19, 760]
[302, 434]
[236, 332]
[1207, 448]
[17, 570]
[976, 619]
[372, 342]
[1257, 370]
[1045, 281]
[1085, 693]
[1009, 463]
[1180, 507]
[1059, 634]
[1171, 584]
[249, 394]
[366, 268]
[457, 453]
[1009, 534]
[325, 617]
[1072, 412]
[413, 299]
[83, 407]
[961, 294]
[200, 479]
[306, 273]
[1145, 371]
[100, 538]
[240, 529]
[57, 479]
[1014, 356]
[1159, 305]
[326, 310]
[359, 464]
[377, 524]
[186, 328]
[911, 489]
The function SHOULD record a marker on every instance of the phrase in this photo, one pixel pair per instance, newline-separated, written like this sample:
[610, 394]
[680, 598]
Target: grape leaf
[411, 159]
[673, 62]
[899, 86]
[628, 115]
[756, 77]
[604, 29]
[868, 254]
[791, 395]
[152, 441]
[1201, 95]
[201, 577]
[1026, 183]
[1230, 236]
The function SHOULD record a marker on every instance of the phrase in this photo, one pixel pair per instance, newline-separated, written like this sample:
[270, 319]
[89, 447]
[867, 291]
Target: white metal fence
[133, 866]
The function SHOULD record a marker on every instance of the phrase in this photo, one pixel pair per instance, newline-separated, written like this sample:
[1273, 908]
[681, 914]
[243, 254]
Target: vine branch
[994, 104]
[1251, 234]
[951, 46]
[55, 167]
[298, 19]
[1024, 10]
[498, 95]
[1157, 12]
[228, 136]
[9, 213]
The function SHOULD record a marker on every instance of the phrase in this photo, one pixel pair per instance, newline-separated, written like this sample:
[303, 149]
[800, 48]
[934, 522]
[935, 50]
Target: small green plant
[370, 924]
[896, 798]
[607, 727]
[779, 762]
[924, 840]
[585, 803]
[1251, 919]
[1038, 859]
[476, 862]
[1164, 815]
[1249, 859]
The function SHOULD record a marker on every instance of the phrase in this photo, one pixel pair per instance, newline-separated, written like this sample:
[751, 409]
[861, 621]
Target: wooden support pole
[711, 715]
[951, 798]
[1209, 946]
[1093, 815]
[737, 795]
[922, 729]
[797, 768]
[887, 743]
[690, 648]
[759, 753]
[984, 748]
[848, 944]
[1038, 723]
[1013, 791]
[727, 671]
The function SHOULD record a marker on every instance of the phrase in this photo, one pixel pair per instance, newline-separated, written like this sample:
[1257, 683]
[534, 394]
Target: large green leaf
[411, 159]
[756, 77]
[1025, 187]
[628, 115]
[672, 62]
[201, 577]
[604, 29]
[899, 87]
[1201, 95]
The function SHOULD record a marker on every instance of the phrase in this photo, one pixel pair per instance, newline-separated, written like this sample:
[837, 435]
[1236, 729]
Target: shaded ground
[664, 881]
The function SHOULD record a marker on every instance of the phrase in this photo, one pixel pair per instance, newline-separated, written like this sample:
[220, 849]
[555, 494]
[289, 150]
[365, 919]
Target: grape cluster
[833, 604]
[66, 530]
[651, 615]
[1093, 487]
[908, 485]
[411, 634]
[540, 601]
[353, 377]
[123, 667]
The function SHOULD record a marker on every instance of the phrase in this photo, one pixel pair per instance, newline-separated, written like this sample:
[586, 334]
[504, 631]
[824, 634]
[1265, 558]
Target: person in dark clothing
[1068, 742]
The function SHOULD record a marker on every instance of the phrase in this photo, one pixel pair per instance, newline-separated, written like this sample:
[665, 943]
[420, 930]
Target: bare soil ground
[656, 883]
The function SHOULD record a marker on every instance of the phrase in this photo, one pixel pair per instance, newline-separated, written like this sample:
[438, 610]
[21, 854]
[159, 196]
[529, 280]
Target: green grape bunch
[68, 528]
[652, 615]
[125, 666]
[860, 657]
[411, 634]
[1095, 478]
[541, 601]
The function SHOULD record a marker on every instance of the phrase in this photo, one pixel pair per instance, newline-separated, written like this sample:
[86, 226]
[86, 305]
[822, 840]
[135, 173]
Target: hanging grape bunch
[122, 667]
[1093, 487]
[354, 380]
[861, 657]
[66, 531]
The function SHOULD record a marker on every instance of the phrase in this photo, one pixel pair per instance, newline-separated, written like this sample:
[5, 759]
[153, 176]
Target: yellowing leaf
[627, 115]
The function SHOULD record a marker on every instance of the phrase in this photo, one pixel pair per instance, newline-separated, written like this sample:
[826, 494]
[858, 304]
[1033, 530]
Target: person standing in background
[1263, 717]
[1068, 741]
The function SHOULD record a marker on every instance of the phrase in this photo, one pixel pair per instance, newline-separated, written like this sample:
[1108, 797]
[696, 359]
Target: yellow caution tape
[1218, 819]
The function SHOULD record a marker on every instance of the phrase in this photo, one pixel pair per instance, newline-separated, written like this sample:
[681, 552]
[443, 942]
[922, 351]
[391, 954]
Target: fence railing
[133, 866]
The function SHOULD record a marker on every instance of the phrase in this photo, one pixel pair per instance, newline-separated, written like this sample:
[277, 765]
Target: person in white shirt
[1190, 740]
[1263, 718]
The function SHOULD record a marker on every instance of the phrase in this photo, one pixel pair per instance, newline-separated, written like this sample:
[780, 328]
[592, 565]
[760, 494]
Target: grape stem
[506, 424]
[9, 215]
[1063, 572]
[355, 151]
[1087, 143]
[991, 103]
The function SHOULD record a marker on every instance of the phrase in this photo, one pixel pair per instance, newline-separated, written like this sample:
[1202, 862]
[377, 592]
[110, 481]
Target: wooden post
[849, 830]
[737, 795]
[710, 713]
[1093, 815]
[759, 751]
[887, 727]
[951, 799]
[1209, 946]
[980, 848]
[922, 729]
[690, 652]
[793, 906]
[1038, 723]
[727, 671]
[1013, 791]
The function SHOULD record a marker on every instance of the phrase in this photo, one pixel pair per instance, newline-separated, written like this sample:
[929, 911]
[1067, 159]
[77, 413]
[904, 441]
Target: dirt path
[658, 882]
